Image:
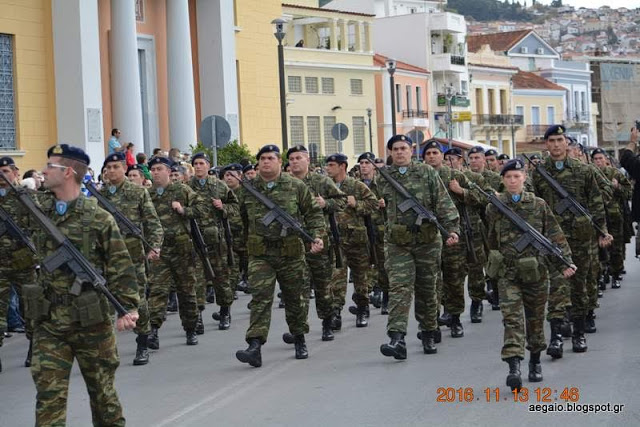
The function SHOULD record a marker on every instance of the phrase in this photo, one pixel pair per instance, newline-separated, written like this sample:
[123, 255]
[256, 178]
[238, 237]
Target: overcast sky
[631, 4]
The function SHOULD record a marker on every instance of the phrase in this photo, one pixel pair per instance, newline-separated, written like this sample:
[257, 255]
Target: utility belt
[89, 308]
[289, 246]
[173, 240]
[353, 234]
[400, 234]
[527, 270]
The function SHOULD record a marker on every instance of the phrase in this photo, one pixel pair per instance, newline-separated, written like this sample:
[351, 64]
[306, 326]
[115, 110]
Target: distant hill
[491, 10]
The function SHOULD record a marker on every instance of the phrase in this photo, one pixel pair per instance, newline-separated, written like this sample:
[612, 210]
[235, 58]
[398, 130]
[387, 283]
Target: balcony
[456, 101]
[414, 113]
[497, 120]
[415, 119]
[447, 22]
[448, 62]
[578, 116]
[536, 131]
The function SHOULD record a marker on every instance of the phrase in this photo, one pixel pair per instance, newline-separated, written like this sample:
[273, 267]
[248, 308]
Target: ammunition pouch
[256, 246]
[583, 230]
[528, 270]
[495, 265]
[354, 234]
[22, 259]
[427, 233]
[211, 235]
[88, 309]
[36, 306]
[400, 234]
[380, 233]
[292, 247]
[181, 242]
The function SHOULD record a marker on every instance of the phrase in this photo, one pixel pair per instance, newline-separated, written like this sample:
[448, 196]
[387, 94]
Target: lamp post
[448, 93]
[391, 67]
[369, 113]
[279, 32]
[512, 120]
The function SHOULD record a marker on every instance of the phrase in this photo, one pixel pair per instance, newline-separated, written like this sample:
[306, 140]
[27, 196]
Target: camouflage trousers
[356, 257]
[378, 278]
[617, 248]
[174, 268]
[522, 308]
[240, 266]
[451, 281]
[592, 276]
[142, 325]
[221, 283]
[320, 271]
[53, 354]
[412, 268]
[559, 295]
[583, 259]
[476, 278]
[8, 277]
[290, 274]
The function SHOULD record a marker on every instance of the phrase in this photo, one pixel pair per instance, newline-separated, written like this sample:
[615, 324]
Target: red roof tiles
[499, 42]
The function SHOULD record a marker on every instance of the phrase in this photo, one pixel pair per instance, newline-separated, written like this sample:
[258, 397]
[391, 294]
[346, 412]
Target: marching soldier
[175, 204]
[135, 203]
[412, 252]
[361, 202]
[231, 174]
[491, 159]
[274, 257]
[249, 172]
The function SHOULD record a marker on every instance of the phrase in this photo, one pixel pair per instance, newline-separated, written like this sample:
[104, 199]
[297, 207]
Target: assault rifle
[228, 238]
[335, 237]
[202, 250]
[66, 254]
[9, 226]
[371, 235]
[468, 229]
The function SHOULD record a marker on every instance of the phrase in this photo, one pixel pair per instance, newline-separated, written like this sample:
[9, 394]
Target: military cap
[338, 158]
[535, 156]
[477, 150]
[397, 138]
[178, 168]
[248, 168]
[212, 171]
[432, 143]
[296, 149]
[598, 151]
[7, 161]
[512, 165]
[453, 151]
[555, 130]
[237, 167]
[268, 149]
[160, 161]
[572, 142]
[134, 168]
[201, 155]
[118, 156]
[501, 156]
[69, 152]
[490, 152]
[367, 156]
[379, 160]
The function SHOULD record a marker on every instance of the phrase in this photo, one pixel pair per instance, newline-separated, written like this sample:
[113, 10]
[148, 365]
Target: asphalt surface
[348, 382]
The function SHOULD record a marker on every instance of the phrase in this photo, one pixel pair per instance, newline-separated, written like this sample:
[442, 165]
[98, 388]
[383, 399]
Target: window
[330, 144]
[503, 102]
[464, 87]
[479, 101]
[418, 98]
[295, 84]
[398, 98]
[535, 115]
[408, 90]
[7, 104]
[520, 110]
[328, 85]
[296, 124]
[551, 115]
[356, 86]
[490, 98]
[140, 10]
[311, 84]
[313, 130]
[359, 142]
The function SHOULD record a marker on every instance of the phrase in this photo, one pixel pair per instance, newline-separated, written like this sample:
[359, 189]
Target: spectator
[15, 323]
[37, 178]
[174, 155]
[129, 158]
[29, 183]
[141, 158]
[300, 43]
[114, 141]
[631, 163]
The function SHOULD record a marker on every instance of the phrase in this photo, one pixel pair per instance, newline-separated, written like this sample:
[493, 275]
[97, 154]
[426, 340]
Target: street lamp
[448, 93]
[369, 112]
[278, 26]
[391, 68]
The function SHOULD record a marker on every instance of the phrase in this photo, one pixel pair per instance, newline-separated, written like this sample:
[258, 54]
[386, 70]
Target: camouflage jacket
[213, 188]
[320, 185]
[11, 248]
[424, 183]
[135, 203]
[379, 215]
[471, 196]
[94, 232]
[235, 220]
[604, 183]
[502, 233]
[177, 226]
[581, 182]
[493, 179]
[366, 202]
[622, 194]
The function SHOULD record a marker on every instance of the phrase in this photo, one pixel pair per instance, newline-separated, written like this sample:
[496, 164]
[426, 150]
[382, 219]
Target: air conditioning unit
[524, 49]
[540, 51]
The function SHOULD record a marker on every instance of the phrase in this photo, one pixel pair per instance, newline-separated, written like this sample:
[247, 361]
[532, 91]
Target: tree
[232, 153]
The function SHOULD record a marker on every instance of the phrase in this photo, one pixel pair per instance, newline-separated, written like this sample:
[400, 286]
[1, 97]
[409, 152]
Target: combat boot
[312, 294]
[361, 317]
[200, 324]
[192, 338]
[555, 345]
[327, 333]
[242, 286]
[225, 319]
[211, 295]
[353, 309]
[252, 354]
[457, 331]
[301, 347]
[514, 380]
[565, 326]
[172, 305]
[535, 368]
[578, 340]
[437, 336]
[153, 342]
[142, 351]
[396, 347]
[384, 307]
[336, 321]
[288, 338]
[616, 281]
[27, 360]
[376, 298]
[445, 319]
[590, 323]
[428, 342]
[476, 311]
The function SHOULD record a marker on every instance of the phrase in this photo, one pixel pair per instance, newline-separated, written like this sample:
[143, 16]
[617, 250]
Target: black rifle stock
[202, 250]
[371, 235]
[228, 238]
[468, 229]
[9, 226]
[67, 254]
[335, 237]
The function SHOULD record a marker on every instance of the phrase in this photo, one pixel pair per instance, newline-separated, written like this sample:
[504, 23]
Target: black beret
[367, 156]
[134, 168]
[118, 156]
[512, 165]
[598, 151]
[200, 156]
[501, 156]
[248, 168]
[571, 141]
[453, 151]
[476, 150]
[160, 161]
[268, 149]
[397, 138]
[285, 166]
[490, 152]
[338, 158]
[432, 143]
[296, 149]
[237, 167]
[7, 161]
[69, 152]
[555, 130]
[535, 156]
[212, 171]
[379, 160]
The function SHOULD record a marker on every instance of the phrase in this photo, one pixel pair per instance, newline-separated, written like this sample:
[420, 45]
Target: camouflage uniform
[213, 231]
[353, 244]
[412, 257]
[273, 257]
[518, 289]
[378, 276]
[615, 217]
[176, 263]
[59, 336]
[135, 203]
[240, 267]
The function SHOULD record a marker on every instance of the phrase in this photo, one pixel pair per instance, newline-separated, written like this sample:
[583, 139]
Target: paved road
[348, 382]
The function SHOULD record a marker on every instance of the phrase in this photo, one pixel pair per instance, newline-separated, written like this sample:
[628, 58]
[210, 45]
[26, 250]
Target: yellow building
[330, 79]
[27, 86]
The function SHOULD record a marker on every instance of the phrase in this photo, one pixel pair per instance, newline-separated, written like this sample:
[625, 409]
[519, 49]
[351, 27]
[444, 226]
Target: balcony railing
[536, 131]
[414, 113]
[578, 116]
[456, 101]
[498, 119]
[457, 60]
